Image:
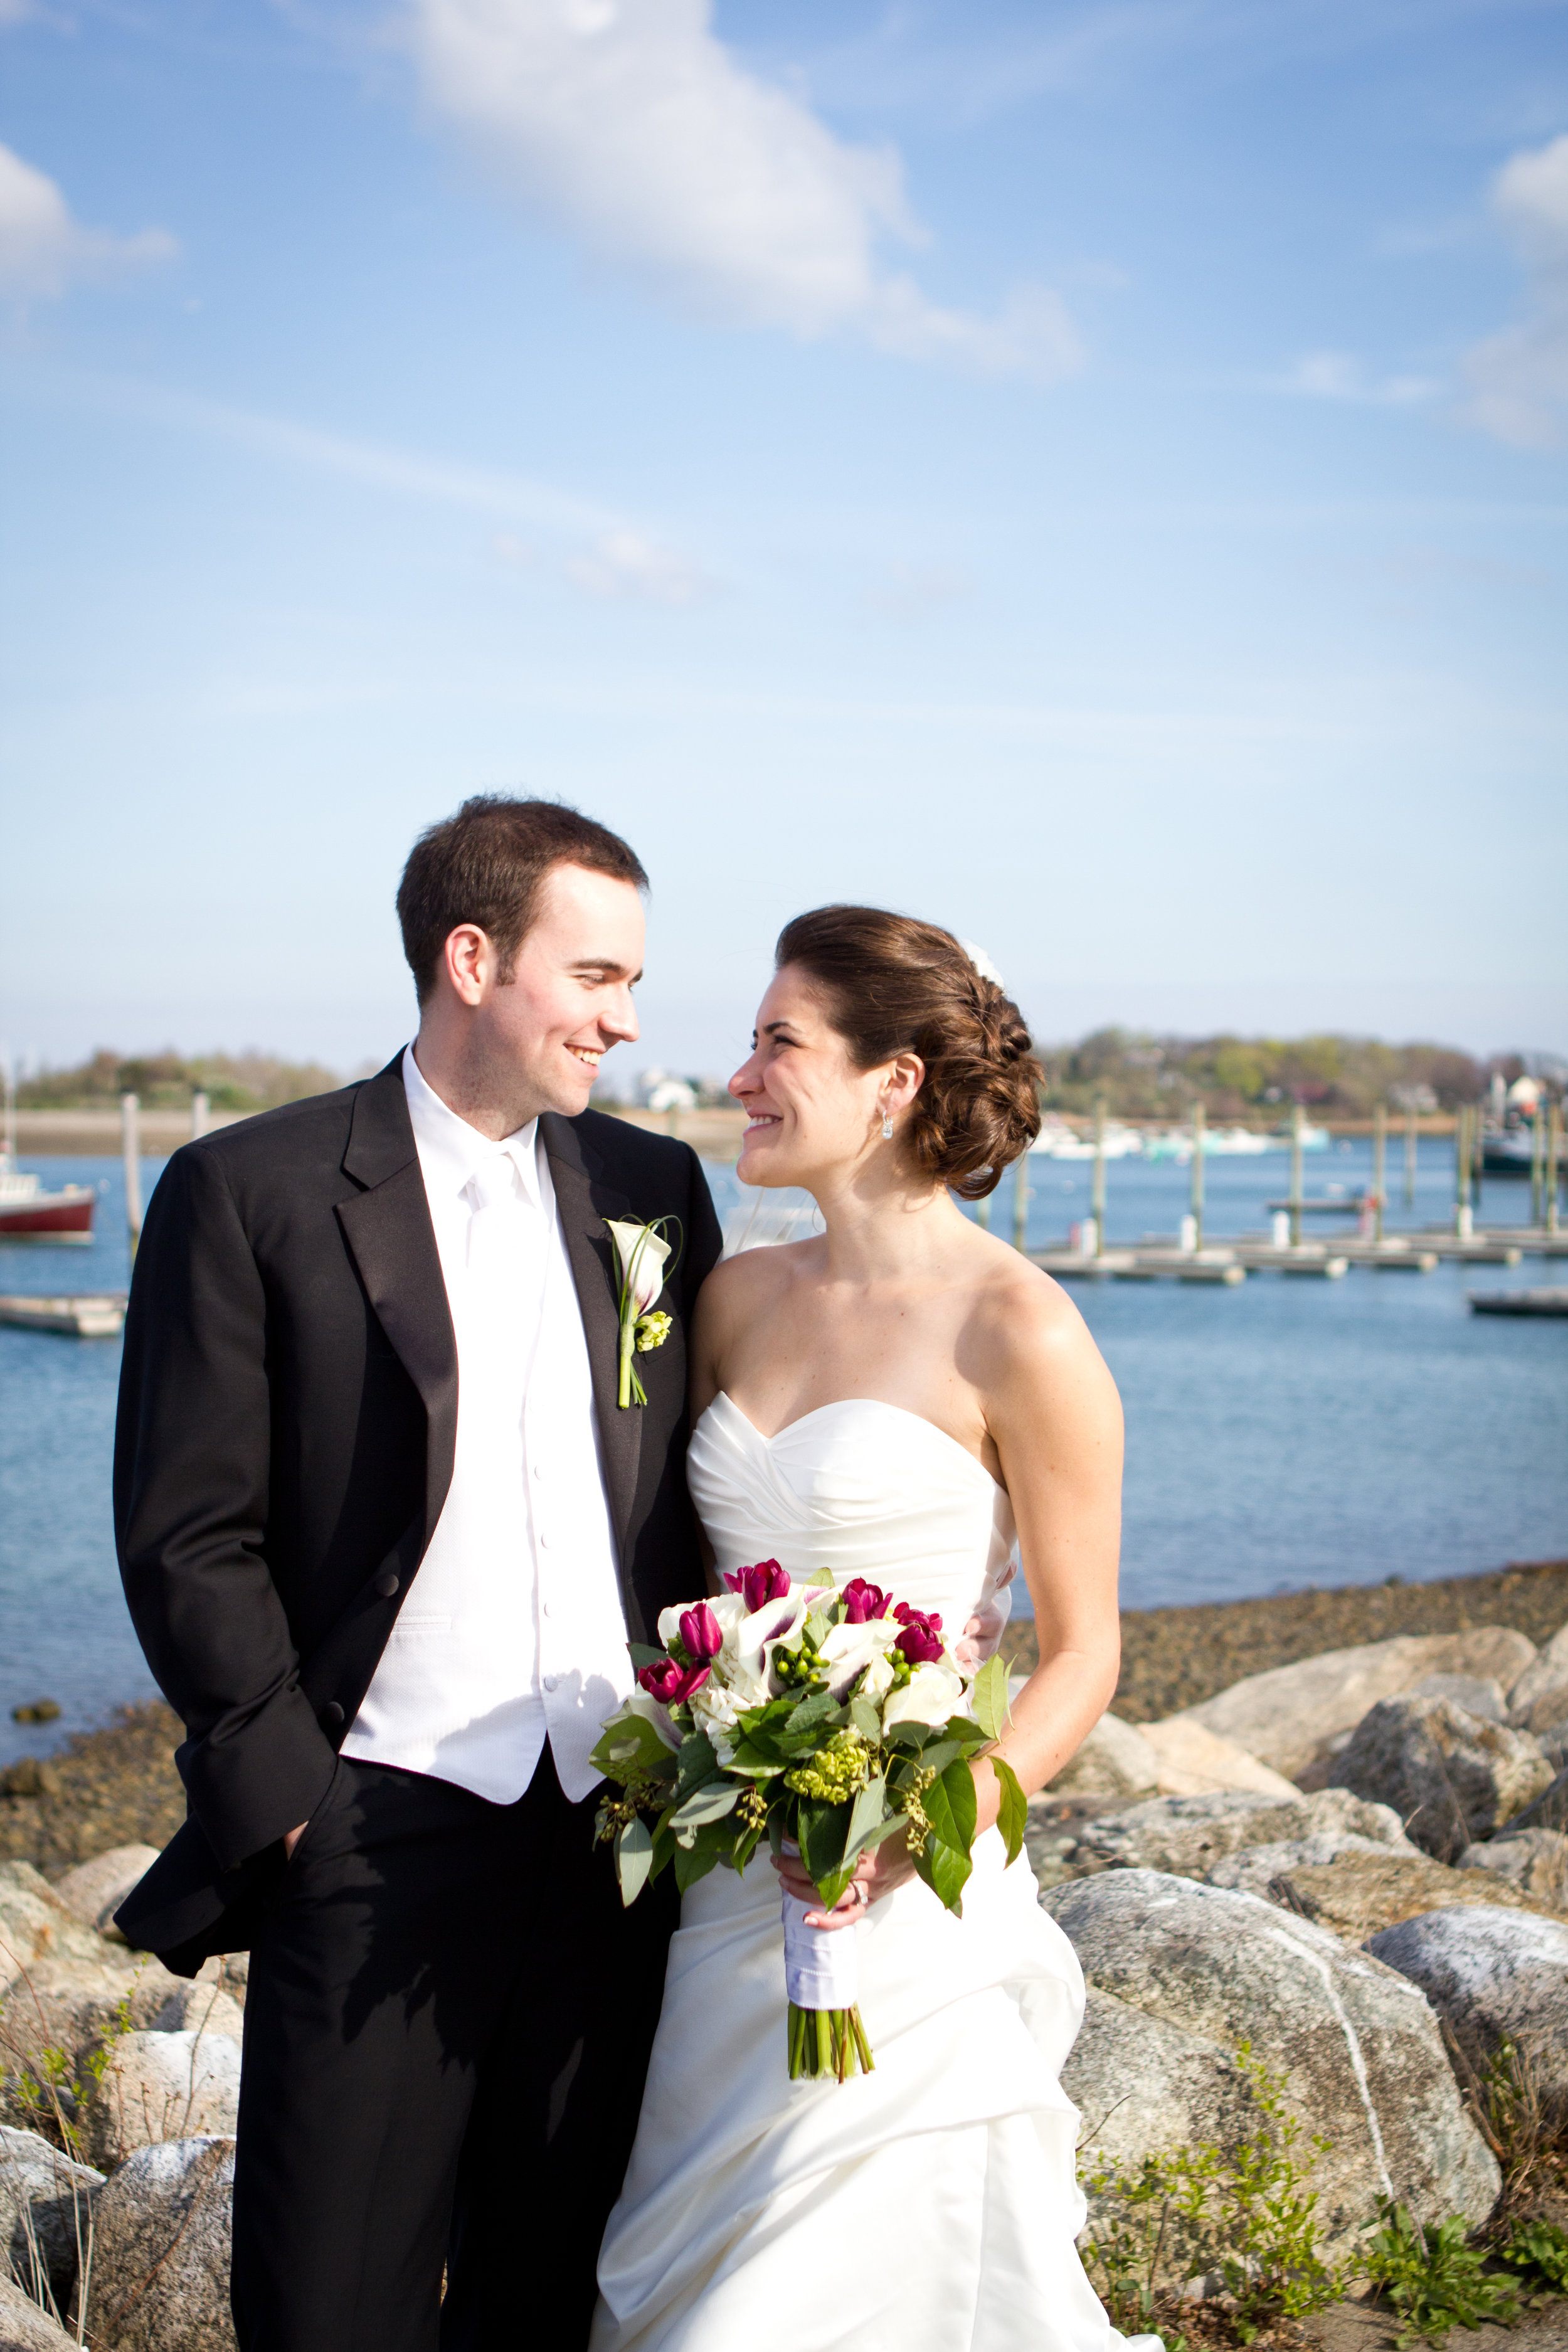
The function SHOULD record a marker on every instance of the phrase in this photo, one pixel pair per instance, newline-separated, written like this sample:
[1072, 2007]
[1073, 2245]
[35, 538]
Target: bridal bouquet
[825, 1719]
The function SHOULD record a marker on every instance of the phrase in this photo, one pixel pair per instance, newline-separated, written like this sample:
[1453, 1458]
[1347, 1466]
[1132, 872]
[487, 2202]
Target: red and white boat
[28, 1213]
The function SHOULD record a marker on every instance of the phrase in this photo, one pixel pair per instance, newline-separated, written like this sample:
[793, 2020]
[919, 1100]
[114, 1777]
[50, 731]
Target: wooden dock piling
[1379, 1167]
[1021, 1200]
[1198, 1139]
[130, 1152]
[1410, 1146]
[1298, 1120]
[199, 1108]
[1097, 1197]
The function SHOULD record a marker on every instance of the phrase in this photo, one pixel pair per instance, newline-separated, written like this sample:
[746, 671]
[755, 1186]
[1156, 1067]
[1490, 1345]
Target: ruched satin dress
[930, 2206]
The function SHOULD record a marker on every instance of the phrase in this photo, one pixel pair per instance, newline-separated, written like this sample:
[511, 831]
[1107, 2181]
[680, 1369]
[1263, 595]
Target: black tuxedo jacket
[287, 1421]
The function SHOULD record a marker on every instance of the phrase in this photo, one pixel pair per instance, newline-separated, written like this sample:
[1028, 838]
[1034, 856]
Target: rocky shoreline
[1314, 1864]
[119, 1786]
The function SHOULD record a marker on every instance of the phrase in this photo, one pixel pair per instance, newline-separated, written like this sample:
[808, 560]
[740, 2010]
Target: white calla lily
[641, 1256]
[931, 1694]
[848, 1650]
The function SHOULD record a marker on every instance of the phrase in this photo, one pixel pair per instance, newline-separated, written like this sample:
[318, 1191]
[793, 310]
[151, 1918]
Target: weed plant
[1242, 2216]
[1435, 2278]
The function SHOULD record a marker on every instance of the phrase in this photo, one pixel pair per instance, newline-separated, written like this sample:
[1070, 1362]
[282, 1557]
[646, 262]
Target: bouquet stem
[827, 2041]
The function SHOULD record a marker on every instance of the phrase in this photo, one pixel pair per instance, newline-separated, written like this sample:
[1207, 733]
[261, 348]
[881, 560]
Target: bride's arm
[1053, 1411]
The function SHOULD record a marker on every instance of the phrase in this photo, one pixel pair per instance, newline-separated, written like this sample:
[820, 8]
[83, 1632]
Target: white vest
[512, 1630]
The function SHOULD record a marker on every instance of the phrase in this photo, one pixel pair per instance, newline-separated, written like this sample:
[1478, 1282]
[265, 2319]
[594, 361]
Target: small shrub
[1244, 2215]
[1433, 2277]
[1539, 2252]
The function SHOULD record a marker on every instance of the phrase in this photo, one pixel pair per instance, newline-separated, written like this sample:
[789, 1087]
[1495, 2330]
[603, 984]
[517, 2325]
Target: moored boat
[28, 1213]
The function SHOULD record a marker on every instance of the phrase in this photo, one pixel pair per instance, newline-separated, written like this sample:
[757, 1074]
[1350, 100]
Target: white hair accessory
[982, 963]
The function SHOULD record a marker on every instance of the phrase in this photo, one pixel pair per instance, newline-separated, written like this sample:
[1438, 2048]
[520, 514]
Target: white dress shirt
[512, 1629]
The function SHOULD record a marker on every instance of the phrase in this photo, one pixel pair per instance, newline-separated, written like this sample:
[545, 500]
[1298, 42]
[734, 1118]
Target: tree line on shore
[1134, 1073]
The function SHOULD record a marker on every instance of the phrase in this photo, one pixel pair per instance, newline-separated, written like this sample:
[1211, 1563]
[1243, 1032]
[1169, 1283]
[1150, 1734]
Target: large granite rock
[1192, 1761]
[1543, 1685]
[1289, 1716]
[35, 1925]
[1495, 1975]
[160, 2250]
[1145, 2085]
[46, 2201]
[1190, 1834]
[94, 1891]
[1476, 1694]
[1536, 1861]
[163, 2086]
[200, 2007]
[1115, 1758]
[24, 2327]
[1550, 1810]
[1452, 1778]
[1360, 2051]
[1363, 1888]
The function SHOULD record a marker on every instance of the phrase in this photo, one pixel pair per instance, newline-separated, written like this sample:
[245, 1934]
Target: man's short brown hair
[486, 865]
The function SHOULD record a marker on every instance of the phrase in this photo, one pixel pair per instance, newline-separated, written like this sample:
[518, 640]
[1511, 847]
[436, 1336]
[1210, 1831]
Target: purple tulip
[701, 1632]
[670, 1681]
[863, 1601]
[767, 1581]
[921, 1640]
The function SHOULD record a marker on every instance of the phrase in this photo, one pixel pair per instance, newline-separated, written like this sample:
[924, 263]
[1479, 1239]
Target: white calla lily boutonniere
[642, 1257]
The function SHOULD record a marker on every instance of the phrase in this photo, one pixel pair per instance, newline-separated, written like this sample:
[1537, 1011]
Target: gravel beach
[119, 1786]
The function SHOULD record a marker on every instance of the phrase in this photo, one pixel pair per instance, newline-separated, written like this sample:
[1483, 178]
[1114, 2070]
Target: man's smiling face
[569, 998]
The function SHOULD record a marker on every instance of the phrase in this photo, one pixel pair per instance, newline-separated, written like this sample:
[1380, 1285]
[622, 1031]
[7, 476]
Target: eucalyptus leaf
[822, 1833]
[810, 1713]
[988, 1697]
[642, 1655]
[634, 1858]
[709, 1803]
[692, 1863]
[865, 1719]
[696, 1763]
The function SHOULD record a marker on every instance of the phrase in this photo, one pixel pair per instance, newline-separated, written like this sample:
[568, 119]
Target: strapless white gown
[930, 2206]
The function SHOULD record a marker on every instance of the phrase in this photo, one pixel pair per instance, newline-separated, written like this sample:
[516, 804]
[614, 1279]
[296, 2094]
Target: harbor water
[1281, 1433]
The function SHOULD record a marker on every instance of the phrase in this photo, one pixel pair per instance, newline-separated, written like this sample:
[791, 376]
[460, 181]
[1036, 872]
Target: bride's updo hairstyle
[897, 986]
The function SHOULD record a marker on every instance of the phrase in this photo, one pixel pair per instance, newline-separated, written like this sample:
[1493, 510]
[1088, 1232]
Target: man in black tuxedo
[385, 1533]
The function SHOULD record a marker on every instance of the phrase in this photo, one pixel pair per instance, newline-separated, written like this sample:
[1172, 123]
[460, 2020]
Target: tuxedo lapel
[583, 1201]
[388, 1229]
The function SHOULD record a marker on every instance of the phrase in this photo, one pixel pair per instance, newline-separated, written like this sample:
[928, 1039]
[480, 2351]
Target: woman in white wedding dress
[900, 1397]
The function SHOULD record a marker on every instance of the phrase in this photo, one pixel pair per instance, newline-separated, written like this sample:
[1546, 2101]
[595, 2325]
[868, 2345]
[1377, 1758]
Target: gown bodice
[856, 1488]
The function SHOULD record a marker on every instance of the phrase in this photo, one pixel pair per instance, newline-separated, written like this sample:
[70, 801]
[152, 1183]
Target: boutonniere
[641, 1255]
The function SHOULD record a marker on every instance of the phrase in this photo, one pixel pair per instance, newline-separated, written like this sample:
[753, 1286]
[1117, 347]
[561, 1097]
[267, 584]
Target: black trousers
[448, 2029]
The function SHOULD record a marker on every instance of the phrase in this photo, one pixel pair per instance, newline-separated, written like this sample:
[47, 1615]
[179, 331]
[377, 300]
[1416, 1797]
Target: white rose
[931, 1694]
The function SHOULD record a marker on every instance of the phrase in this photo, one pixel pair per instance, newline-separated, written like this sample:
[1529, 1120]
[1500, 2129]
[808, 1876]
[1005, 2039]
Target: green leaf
[696, 1764]
[988, 1697]
[953, 1808]
[869, 1809]
[810, 1713]
[642, 1655]
[939, 1755]
[1015, 1811]
[822, 1832]
[692, 1863]
[634, 1858]
[945, 1872]
[709, 1803]
[908, 1735]
[865, 1719]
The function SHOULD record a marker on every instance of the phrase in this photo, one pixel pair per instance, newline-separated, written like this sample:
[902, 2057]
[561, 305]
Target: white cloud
[43, 250]
[630, 124]
[624, 566]
[1519, 380]
[1338, 375]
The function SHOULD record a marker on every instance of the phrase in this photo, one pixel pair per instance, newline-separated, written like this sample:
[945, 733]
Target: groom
[385, 1533]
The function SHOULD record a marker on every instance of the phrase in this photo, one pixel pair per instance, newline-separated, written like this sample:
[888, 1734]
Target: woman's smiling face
[811, 1112]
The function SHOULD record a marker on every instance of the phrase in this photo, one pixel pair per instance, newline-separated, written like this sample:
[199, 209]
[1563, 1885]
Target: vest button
[331, 1715]
[387, 1584]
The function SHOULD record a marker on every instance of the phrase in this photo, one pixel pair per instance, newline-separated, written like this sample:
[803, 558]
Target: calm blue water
[1280, 1435]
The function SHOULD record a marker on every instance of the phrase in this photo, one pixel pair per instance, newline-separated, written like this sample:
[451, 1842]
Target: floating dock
[1551, 1301]
[99, 1315]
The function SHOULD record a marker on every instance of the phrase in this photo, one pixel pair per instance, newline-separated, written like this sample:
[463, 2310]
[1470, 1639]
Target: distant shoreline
[714, 1133]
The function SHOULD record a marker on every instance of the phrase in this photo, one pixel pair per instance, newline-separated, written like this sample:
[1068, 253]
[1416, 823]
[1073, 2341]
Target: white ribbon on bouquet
[822, 1965]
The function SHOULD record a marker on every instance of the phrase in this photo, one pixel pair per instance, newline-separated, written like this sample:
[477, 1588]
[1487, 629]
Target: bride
[900, 1398]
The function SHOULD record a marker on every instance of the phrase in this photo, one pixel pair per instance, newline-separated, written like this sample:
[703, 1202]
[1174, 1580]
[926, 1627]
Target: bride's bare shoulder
[753, 1280]
[1021, 1320]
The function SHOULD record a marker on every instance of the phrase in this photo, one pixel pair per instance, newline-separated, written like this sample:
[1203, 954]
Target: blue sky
[1091, 474]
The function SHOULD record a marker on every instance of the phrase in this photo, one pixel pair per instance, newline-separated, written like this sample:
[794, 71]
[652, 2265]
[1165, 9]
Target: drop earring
[887, 1126]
